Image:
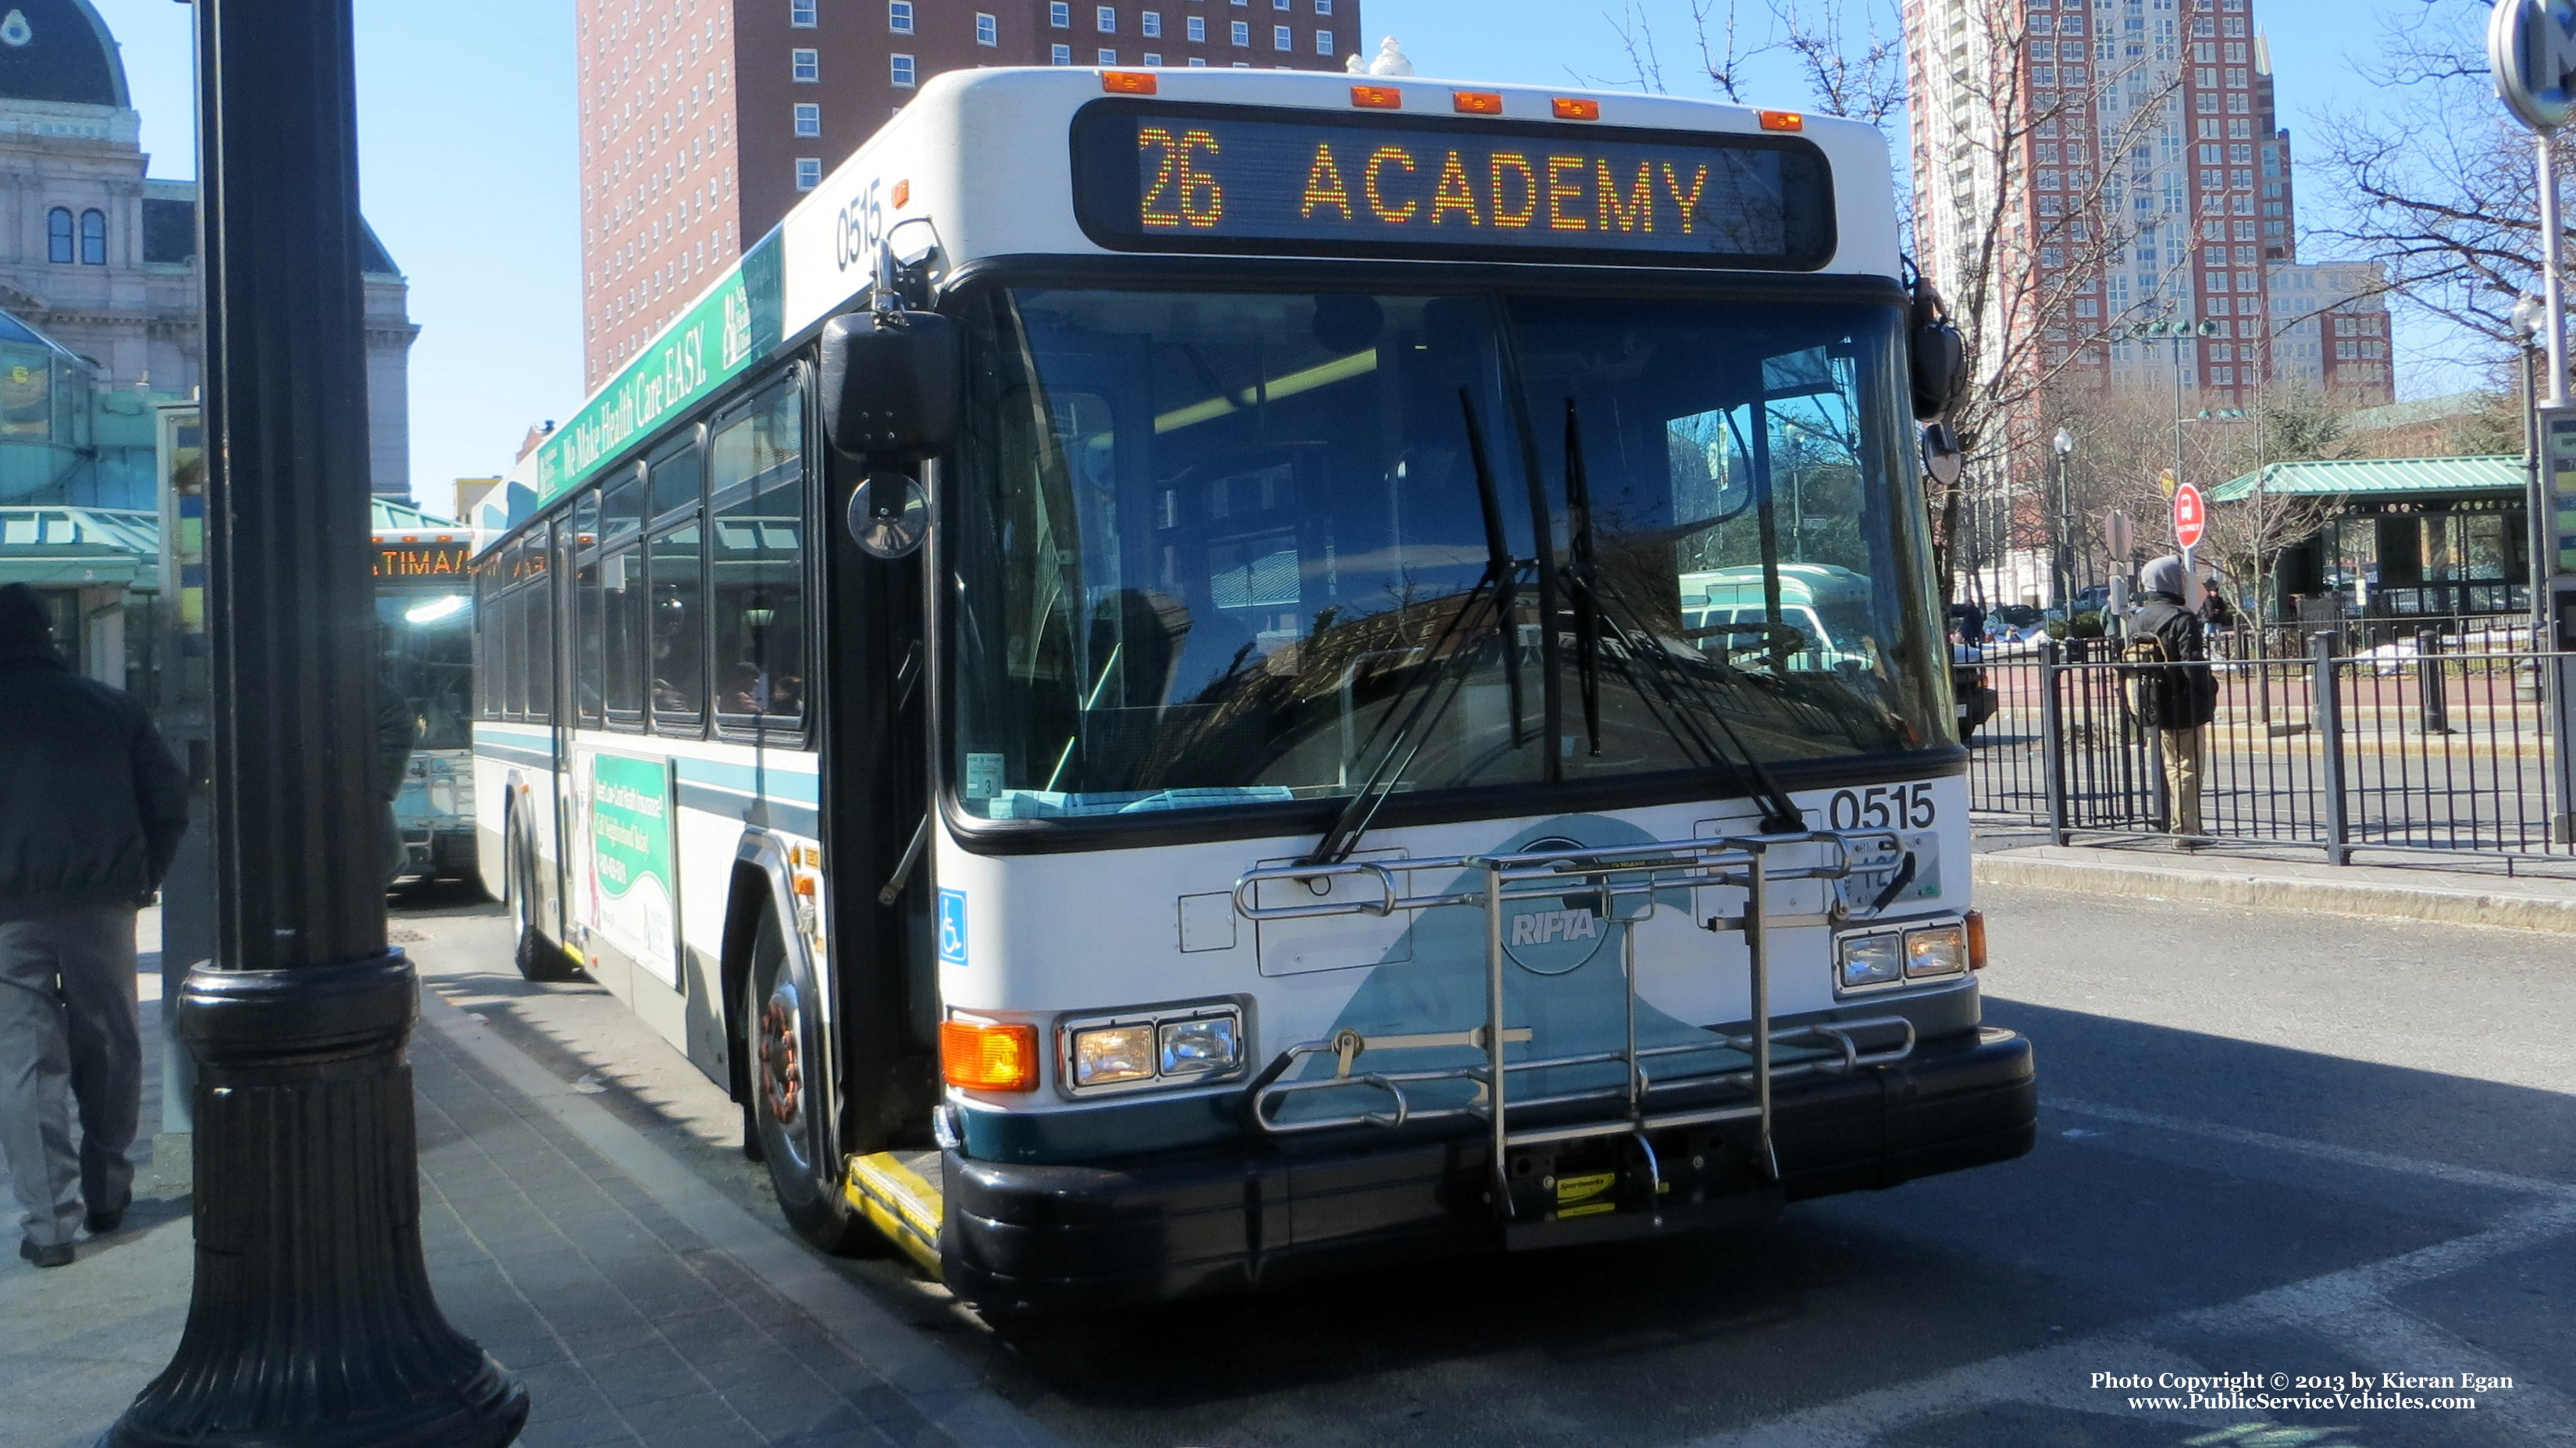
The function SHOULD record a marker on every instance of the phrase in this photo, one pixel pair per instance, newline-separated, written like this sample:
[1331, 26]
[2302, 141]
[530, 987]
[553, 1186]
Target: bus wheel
[797, 1140]
[537, 957]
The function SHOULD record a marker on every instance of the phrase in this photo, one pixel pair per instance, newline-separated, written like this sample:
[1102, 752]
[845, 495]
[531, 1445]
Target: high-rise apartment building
[703, 121]
[2143, 177]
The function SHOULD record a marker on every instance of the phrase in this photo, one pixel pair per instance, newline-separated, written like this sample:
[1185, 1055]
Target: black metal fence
[2441, 746]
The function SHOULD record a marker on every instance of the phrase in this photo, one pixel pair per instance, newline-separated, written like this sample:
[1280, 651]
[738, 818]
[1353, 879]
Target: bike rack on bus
[1621, 873]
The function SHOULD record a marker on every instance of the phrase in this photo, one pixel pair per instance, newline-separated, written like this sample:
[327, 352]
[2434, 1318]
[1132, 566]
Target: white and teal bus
[1125, 681]
[425, 619]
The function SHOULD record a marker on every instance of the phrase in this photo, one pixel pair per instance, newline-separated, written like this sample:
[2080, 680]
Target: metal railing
[1623, 885]
[2439, 747]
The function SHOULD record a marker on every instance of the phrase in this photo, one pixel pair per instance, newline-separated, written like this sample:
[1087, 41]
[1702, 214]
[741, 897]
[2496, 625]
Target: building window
[900, 70]
[1060, 55]
[805, 66]
[1323, 7]
[800, 14]
[1198, 30]
[988, 31]
[899, 16]
[809, 172]
[58, 236]
[1150, 25]
[809, 119]
[1323, 42]
[1242, 32]
[1281, 38]
[93, 238]
[1153, 57]
[1060, 15]
[1108, 56]
[1104, 18]
[1199, 61]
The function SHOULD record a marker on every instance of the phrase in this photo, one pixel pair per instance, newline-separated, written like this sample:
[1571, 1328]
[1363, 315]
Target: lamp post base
[313, 1323]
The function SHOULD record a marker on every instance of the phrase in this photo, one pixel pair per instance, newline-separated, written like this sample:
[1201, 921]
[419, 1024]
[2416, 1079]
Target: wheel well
[743, 904]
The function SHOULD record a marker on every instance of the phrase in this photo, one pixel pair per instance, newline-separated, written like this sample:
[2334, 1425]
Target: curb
[2219, 885]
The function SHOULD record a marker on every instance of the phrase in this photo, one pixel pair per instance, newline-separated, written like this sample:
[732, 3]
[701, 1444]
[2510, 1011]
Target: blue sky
[467, 158]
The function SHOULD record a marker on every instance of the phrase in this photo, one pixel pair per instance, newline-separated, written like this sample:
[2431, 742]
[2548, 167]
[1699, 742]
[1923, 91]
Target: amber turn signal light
[1570, 109]
[1976, 940]
[1127, 82]
[1782, 120]
[1477, 103]
[983, 1056]
[1377, 97]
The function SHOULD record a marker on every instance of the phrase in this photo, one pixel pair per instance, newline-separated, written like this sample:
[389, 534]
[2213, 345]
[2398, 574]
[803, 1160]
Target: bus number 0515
[1884, 806]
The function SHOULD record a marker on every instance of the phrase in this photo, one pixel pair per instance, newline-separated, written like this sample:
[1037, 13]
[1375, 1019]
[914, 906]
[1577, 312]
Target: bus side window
[677, 665]
[540, 650]
[756, 491]
[621, 595]
[514, 663]
[588, 682]
[487, 637]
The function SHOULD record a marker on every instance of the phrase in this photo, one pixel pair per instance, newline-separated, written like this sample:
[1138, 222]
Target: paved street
[2275, 1143]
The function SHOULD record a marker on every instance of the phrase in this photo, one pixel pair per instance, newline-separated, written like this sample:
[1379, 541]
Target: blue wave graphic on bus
[1562, 983]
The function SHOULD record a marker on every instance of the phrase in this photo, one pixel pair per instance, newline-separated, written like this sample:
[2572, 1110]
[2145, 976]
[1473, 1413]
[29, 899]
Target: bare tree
[2437, 180]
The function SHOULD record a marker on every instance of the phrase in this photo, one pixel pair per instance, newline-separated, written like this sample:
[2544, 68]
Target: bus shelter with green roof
[2402, 537]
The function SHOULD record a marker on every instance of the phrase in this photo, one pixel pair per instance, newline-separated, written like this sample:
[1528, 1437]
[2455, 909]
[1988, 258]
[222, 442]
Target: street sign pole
[310, 1320]
[2190, 521]
[2531, 52]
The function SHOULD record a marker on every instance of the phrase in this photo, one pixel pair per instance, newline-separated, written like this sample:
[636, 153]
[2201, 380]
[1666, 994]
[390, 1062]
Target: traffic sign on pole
[2190, 516]
[2118, 537]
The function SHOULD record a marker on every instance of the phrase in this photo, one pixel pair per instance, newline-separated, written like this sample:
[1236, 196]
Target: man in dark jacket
[2177, 690]
[91, 808]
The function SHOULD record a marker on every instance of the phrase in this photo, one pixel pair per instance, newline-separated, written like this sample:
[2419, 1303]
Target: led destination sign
[1153, 177]
[422, 560]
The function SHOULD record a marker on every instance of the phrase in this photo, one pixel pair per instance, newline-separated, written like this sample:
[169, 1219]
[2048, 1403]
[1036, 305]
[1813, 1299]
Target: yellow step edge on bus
[900, 1201]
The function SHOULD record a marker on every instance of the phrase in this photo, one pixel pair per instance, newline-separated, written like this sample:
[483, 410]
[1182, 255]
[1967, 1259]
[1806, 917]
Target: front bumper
[1222, 1219]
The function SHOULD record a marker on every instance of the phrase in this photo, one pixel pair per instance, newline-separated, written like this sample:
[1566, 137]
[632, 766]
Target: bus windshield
[428, 639]
[1205, 546]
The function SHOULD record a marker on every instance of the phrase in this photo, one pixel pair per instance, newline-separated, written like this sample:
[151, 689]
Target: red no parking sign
[2190, 516]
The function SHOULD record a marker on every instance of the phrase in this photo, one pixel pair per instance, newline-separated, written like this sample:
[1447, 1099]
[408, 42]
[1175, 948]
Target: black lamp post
[2064, 562]
[312, 1320]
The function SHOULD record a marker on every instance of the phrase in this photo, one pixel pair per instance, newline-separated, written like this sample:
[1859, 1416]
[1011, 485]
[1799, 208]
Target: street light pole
[311, 1319]
[2064, 562]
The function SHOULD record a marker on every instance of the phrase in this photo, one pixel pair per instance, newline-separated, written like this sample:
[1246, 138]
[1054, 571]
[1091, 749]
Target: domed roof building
[100, 258]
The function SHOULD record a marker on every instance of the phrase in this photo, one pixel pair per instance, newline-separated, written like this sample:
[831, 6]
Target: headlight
[1197, 1047]
[1868, 960]
[1936, 950]
[1110, 1054]
[1134, 1050]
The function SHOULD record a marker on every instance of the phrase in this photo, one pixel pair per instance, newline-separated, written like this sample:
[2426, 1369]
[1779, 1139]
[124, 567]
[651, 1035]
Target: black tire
[537, 957]
[799, 1144]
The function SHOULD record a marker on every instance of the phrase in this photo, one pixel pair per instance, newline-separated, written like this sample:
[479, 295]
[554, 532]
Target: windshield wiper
[1442, 675]
[1592, 611]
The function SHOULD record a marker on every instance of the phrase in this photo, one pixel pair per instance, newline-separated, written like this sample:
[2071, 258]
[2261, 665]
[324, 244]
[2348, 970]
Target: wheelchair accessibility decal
[952, 927]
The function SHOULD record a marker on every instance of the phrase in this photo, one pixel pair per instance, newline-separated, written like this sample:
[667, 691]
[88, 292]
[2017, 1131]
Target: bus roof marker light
[1782, 120]
[1570, 108]
[1477, 103]
[903, 189]
[1125, 83]
[1377, 97]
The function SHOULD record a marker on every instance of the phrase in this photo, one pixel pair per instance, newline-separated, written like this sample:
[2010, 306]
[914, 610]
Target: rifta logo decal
[1538, 927]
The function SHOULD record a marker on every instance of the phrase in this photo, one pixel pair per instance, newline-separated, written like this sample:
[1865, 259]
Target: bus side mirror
[1937, 355]
[890, 385]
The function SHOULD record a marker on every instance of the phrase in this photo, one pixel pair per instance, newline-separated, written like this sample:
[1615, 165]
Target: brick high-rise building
[2146, 128]
[703, 121]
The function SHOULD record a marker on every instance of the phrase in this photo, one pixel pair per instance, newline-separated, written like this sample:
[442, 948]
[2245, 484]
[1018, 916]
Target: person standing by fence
[2177, 690]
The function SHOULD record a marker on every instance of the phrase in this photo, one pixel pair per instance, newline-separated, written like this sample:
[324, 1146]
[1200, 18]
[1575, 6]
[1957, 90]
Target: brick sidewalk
[626, 1322]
